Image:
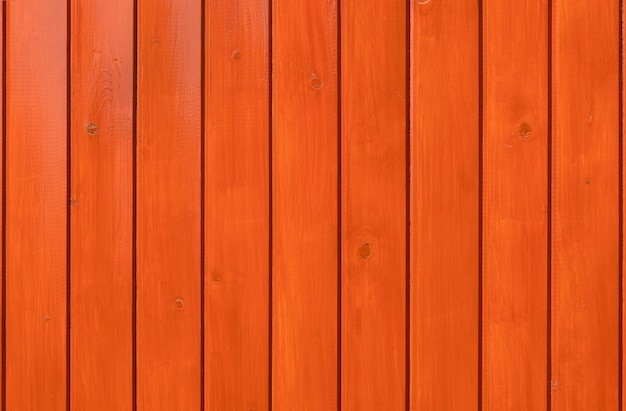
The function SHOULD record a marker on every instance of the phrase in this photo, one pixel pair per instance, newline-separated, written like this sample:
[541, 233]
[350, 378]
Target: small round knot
[524, 130]
[180, 303]
[316, 82]
[92, 129]
[365, 251]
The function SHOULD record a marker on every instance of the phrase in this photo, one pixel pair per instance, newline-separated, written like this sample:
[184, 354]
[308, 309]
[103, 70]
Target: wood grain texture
[314, 190]
[515, 200]
[585, 206]
[101, 205]
[36, 201]
[305, 223]
[444, 205]
[373, 190]
[237, 205]
[168, 205]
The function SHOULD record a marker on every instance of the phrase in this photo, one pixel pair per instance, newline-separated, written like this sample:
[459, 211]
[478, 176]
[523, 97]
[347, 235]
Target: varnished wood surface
[271, 205]
[373, 200]
[36, 205]
[168, 205]
[585, 214]
[236, 194]
[444, 240]
[515, 205]
[304, 216]
[101, 197]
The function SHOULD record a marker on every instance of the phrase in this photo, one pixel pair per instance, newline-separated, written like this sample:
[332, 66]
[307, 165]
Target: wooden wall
[255, 205]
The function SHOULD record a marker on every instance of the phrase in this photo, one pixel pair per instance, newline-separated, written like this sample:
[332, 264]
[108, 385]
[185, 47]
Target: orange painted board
[36, 204]
[444, 205]
[373, 201]
[585, 211]
[515, 205]
[305, 211]
[237, 205]
[101, 205]
[168, 205]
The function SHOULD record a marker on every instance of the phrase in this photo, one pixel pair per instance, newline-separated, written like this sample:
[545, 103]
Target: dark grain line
[270, 198]
[202, 189]
[407, 298]
[480, 203]
[4, 205]
[549, 218]
[339, 205]
[621, 208]
[68, 244]
[134, 211]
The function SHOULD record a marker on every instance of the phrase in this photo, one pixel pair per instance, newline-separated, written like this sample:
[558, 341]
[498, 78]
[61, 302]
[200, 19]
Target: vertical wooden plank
[373, 190]
[444, 205]
[36, 266]
[237, 205]
[305, 249]
[515, 201]
[168, 205]
[101, 204]
[585, 201]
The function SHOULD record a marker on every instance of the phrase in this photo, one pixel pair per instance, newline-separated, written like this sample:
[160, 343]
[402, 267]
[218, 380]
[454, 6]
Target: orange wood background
[257, 205]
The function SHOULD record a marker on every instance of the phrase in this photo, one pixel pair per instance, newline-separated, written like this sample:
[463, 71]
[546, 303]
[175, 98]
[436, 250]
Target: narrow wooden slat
[444, 205]
[585, 234]
[305, 133]
[515, 200]
[101, 204]
[36, 180]
[237, 205]
[168, 205]
[373, 191]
